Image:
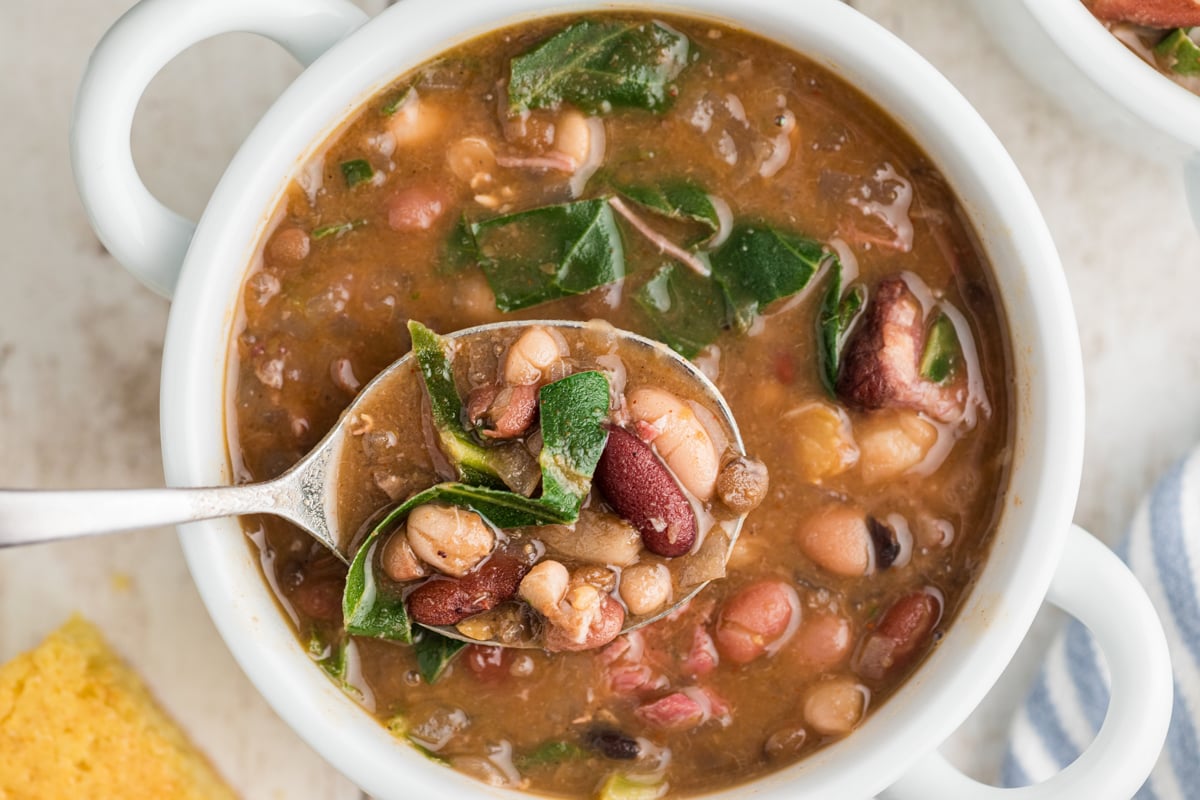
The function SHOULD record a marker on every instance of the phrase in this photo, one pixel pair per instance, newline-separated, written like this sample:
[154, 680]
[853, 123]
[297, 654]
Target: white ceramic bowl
[1036, 554]
[1062, 48]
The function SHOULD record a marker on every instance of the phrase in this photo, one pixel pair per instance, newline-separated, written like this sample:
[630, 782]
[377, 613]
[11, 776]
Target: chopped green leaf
[434, 654]
[395, 104]
[687, 310]
[619, 786]
[331, 657]
[759, 264]
[337, 228]
[460, 251]
[940, 357]
[573, 411]
[550, 753]
[550, 252]
[475, 464]
[599, 66]
[838, 313]
[679, 201]
[399, 726]
[371, 605]
[1179, 53]
[357, 171]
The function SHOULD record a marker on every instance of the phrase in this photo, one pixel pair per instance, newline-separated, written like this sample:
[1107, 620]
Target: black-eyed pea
[573, 136]
[837, 539]
[681, 439]
[398, 560]
[822, 445]
[531, 357]
[835, 707]
[452, 540]
[891, 443]
[645, 588]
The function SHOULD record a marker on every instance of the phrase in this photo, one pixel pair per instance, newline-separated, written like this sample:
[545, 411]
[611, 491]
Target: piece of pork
[1151, 13]
[880, 365]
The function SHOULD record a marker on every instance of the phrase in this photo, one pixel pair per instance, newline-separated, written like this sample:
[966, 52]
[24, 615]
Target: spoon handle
[30, 516]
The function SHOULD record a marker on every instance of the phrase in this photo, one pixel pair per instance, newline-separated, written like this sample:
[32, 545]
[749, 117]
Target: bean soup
[709, 189]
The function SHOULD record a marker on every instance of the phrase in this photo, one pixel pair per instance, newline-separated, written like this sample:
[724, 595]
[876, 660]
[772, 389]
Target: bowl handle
[148, 238]
[1096, 587]
[1191, 185]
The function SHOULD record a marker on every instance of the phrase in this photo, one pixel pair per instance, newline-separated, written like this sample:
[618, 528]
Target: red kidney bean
[641, 489]
[905, 627]
[450, 601]
[754, 619]
[489, 664]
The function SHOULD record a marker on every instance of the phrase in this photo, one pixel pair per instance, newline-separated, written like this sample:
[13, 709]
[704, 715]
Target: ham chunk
[880, 364]
[1151, 13]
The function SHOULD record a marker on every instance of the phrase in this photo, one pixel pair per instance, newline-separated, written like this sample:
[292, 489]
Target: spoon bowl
[307, 493]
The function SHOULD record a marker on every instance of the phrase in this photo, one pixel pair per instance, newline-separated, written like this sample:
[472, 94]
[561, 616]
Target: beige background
[80, 343]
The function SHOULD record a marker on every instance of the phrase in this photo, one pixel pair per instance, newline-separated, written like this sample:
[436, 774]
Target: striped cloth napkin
[1066, 706]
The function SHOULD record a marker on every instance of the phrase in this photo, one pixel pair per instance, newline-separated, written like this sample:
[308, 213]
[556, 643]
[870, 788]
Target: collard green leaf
[759, 264]
[371, 603]
[550, 252]
[475, 464]
[550, 753]
[573, 411]
[331, 657]
[337, 228]
[838, 312]
[1179, 53]
[397, 102]
[434, 654]
[688, 310]
[460, 251]
[357, 171]
[942, 350]
[600, 66]
[681, 201]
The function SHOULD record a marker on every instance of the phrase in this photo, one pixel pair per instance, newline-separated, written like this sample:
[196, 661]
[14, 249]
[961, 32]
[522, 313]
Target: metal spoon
[306, 494]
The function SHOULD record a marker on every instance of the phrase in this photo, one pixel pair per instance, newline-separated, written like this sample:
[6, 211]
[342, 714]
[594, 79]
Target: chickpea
[757, 621]
[288, 244]
[835, 707]
[836, 538]
[531, 356]
[742, 484]
[415, 121]
[682, 441]
[822, 446]
[545, 587]
[645, 588]
[451, 539]
[398, 560]
[891, 443]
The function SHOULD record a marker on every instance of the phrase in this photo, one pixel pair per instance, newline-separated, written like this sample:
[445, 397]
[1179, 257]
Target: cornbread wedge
[75, 722]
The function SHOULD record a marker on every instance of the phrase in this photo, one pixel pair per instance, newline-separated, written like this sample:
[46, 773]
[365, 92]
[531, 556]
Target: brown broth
[352, 294]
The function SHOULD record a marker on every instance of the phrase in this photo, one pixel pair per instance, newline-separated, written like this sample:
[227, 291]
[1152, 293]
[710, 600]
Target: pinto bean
[681, 440]
[641, 489]
[823, 641]
[742, 484]
[503, 412]
[903, 630]
[415, 209]
[756, 619]
[645, 588]
[453, 540]
[835, 707]
[836, 538]
[448, 601]
[531, 356]
[398, 560]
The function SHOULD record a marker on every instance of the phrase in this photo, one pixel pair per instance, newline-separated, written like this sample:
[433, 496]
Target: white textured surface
[80, 343]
